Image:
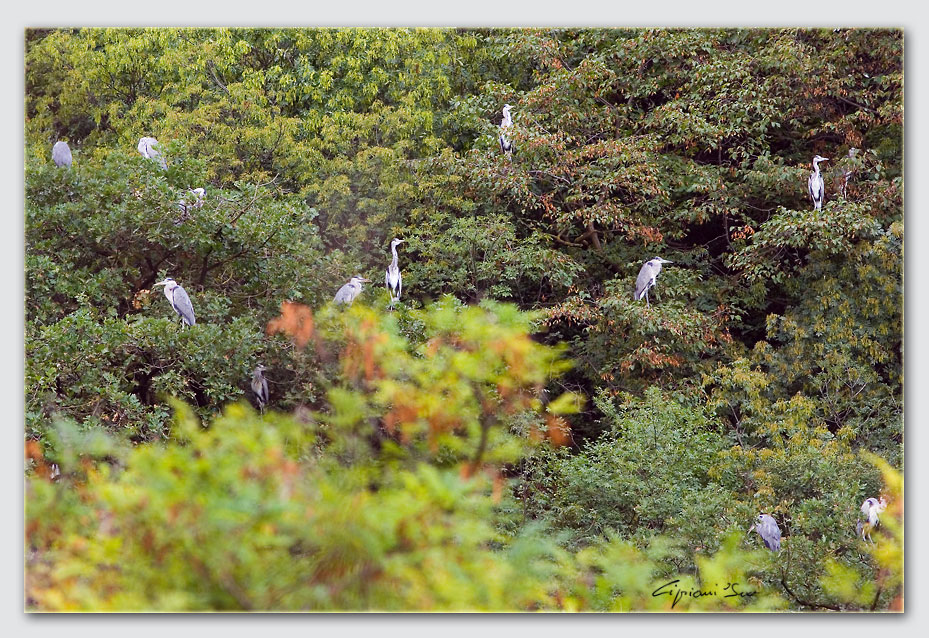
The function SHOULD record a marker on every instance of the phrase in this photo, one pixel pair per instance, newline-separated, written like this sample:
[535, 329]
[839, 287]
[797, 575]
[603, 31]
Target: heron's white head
[260, 368]
[396, 242]
[168, 283]
[818, 159]
[199, 192]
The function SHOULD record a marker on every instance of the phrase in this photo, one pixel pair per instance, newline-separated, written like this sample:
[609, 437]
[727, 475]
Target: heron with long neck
[260, 386]
[816, 186]
[179, 300]
[505, 145]
[393, 278]
[647, 278]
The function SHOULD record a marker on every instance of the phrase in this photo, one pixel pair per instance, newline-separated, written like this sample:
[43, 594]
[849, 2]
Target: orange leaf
[296, 321]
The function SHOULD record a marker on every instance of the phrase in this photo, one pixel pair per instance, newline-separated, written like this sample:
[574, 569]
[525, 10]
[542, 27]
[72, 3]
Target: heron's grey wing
[344, 295]
[260, 388]
[809, 186]
[387, 280]
[772, 536]
[61, 154]
[641, 282]
[399, 283]
[182, 305]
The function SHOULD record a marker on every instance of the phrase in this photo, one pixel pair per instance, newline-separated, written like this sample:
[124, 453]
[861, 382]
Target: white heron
[505, 145]
[770, 533]
[816, 186]
[147, 149]
[260, 386]
[61, 154]
[393, 279]
[179, 301]
[349, 291]
[647, 277]
[870, 510]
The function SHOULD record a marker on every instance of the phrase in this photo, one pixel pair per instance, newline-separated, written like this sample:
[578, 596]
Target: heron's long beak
[823, 159]
[160, 283]
[751, 529]
[367, 280]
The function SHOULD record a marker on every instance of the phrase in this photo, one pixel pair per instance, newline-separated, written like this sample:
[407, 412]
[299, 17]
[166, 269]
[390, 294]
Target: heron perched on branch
[349, 291]
[393, 279]
[849, 170]
[200, 195]
[647, 277]
[260, 386]
[870, 510]
[770, 533]
[179, 301]
[147, 149]
[816, 186]
[505, 145]
[61, 154]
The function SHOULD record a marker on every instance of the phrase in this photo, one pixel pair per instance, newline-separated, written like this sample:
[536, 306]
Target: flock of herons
[765, 524]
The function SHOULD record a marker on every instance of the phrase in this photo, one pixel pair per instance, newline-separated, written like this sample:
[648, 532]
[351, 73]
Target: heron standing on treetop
[260, 386]
[349, 291]
[61, 154]
[816, 186]
[647, 276]
[505, 145]
[393, 278]
[770, 533]
[147, 149]
[179, 301]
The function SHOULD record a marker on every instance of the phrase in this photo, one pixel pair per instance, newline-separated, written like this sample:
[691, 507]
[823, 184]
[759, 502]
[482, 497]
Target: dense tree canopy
[519, 433]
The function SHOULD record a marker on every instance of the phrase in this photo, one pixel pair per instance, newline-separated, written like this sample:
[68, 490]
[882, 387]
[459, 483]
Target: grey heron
[770, 533]
[260, 386]
[393, 279]
[870, 510]
[647, 277]
[147, 149]
[179, 300]
[505, 145]
[349, 291]
[849, 170]
[815, 184]
[200, 194]
[61, 154]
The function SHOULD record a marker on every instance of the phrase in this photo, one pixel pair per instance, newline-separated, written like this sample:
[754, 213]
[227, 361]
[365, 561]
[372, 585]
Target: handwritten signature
[673, 590]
